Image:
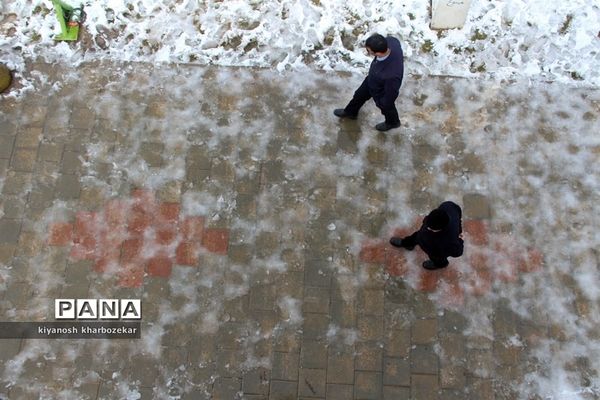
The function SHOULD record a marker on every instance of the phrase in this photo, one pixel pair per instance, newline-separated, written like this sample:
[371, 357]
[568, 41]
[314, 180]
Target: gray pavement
[253, 225]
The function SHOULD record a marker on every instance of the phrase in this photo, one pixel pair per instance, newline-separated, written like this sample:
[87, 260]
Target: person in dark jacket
[440, 236]
[382, 84]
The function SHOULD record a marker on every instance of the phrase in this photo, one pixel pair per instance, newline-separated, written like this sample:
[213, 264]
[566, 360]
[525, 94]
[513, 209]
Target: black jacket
[445, 243]
[385, 77]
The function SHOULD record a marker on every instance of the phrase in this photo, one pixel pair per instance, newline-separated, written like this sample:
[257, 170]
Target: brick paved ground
[254, 225]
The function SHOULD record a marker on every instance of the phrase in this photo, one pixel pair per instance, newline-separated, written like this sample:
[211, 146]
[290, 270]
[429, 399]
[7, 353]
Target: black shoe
[397, 242]
[340, 112]
[384, 126]
[431, 266]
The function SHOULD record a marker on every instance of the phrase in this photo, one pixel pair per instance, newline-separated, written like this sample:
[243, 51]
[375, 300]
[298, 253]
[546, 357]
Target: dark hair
[377, 43]
[437, 219]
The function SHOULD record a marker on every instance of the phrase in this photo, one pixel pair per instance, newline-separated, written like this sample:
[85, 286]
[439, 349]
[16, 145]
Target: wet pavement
[253, 225]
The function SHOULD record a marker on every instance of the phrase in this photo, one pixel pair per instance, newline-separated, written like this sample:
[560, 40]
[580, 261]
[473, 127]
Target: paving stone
[377, 156]
[313, 354]
[152, 153]
[8, 126]
[283, 390]
[343, 314]
[423, 360]
[369, 357]
[340, 368]
[375, 276]
[424, 331]
[370, 302]
[77, 273]
[262, 297]
[317, 273]
[504, 322]
[367, 385]
[291, 283]
[287, 341]
[16, 183]
[7, 250]
[222, 170]
[18, 294]
[42, 197]
[481, 389]
[51, 152]
[202, 351]
[216, 240]
[228, 363]
[397, 343]
[226, 388]
[395, 392]
[452, 322]
[4, 163]
[316, 300]
[198, 158]
[255, 397]
[315, 326]
[476, 206]
[480, 363]
[82, 118]
[453, 349]
[256, 381]
[231, 335]
[479, 342]
[396, 371]
[506, 354]
[285, 367]
[9, 230]
[6, 146]
[453, 377]
[370, 327]
[266, 320]
[422, 306]
[33, 115]
[272, 172]
[424, 387]
[312, 382]
[68, 187]
[423, 155]
[347, 141]
[74, 291]
[339, 392]
[23, 160]
[28, 137]
[266, 244]
[71, 163]
[147, 371]
[246, 206]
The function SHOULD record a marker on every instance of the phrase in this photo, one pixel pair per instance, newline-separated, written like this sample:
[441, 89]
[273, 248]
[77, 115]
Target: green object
[5, 77]
[69, 18]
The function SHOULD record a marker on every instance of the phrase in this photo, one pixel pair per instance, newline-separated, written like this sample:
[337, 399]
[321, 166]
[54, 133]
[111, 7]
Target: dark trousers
[361, 96]
[410, 241]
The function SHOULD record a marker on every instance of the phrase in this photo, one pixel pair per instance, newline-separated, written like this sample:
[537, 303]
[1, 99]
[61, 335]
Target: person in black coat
[440, 236]
[382, 84]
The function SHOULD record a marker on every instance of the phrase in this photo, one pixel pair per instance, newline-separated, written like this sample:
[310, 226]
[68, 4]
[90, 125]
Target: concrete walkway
[253, 225]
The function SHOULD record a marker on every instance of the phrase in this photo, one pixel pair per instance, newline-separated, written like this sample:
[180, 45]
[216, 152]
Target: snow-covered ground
[538, 39]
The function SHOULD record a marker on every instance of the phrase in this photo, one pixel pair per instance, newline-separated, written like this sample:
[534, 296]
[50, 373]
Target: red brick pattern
[216, 240]
[61, 234]
[488, 258]
[138, 237]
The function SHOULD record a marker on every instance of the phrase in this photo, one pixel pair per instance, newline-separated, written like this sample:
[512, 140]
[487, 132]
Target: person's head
[376, 45]
[437, 220]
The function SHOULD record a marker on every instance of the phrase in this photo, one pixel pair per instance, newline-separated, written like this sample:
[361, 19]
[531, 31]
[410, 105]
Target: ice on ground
[531, 151]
